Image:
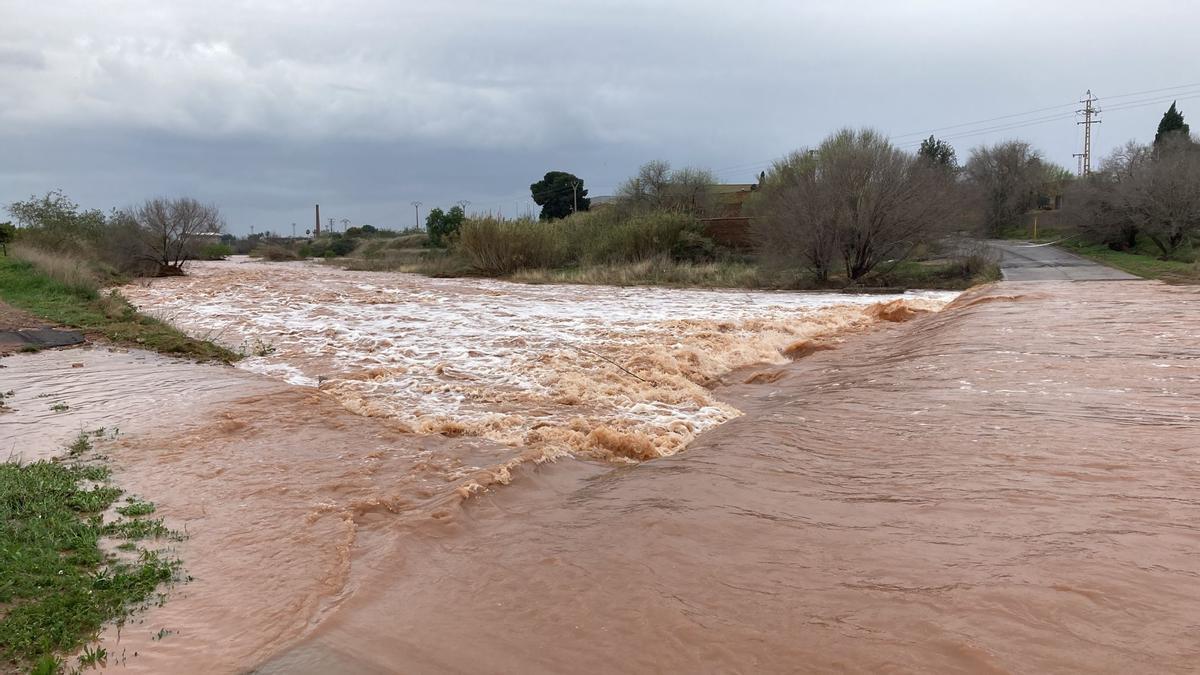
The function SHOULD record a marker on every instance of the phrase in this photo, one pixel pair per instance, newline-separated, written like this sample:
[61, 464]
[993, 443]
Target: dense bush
[443, 225]
[856, 200]
[606, 240]
[56, 224]
[215, 251]
[496, 246]
[276, 253]
[1143, 194]
[332, 245]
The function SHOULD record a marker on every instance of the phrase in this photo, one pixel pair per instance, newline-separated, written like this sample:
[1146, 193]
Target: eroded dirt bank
[1012, 485]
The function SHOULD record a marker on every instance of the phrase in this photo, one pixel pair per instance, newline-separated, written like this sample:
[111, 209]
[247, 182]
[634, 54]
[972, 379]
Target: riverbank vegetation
[61, 289]
[62, 261]
[856, 211]
[1139, 211]
[67, 566]
[885, 220]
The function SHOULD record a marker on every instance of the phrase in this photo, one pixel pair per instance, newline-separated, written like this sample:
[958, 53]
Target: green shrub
[443, 225]
[343, 246]
[640, 237]
[215, 251]
[275, 253]
[499, 247]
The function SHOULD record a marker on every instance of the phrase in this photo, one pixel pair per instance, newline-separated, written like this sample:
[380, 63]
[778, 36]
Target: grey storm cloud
[267, 107]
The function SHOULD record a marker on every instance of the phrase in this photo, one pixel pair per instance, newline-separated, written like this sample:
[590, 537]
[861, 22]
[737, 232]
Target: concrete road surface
[1023, 261]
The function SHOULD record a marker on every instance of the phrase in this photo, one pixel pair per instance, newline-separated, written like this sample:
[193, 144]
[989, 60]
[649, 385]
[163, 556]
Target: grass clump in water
[136, 508]
[57, 586]
[80, 445]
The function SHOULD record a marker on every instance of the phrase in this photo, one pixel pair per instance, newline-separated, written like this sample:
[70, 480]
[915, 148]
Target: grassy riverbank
[58, 584]
[78, 304]
[942, 275]
[1143, 260]
[1139, 262]
[739, 271]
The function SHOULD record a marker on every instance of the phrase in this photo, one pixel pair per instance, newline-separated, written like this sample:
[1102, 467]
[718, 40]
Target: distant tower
[317, 229]
[1090, 116]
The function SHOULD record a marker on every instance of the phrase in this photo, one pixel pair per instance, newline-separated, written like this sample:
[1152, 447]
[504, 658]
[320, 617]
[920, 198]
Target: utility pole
[293, 230]
[1090, 116]
[574, 196]
[463, 203]
[417, 215]
[331, 227]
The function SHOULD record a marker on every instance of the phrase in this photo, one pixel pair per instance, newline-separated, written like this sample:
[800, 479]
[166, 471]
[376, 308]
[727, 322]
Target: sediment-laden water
[1007, 485]
[52, 396]
[1012, 485]
[604, 371]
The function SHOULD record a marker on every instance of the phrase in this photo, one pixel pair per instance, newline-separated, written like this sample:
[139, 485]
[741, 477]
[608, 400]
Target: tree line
[154, 238]
[856, 204]
[852, 207]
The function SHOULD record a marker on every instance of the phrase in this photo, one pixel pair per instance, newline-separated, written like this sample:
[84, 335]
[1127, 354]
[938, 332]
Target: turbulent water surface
[1012, 485]
[607, 371]
[1006, 485]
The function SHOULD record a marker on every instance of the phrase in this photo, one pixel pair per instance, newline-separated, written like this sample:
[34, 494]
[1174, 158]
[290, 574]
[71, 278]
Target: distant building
[601, 201]
[730, 226]
[727, 225]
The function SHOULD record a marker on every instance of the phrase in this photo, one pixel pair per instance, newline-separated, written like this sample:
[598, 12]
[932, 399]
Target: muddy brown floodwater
[1011, 484]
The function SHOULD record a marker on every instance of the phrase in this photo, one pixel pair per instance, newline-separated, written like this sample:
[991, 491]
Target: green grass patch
[1143, 260]
[57, 586]
[138, 529]
[937, 274]
[1139, 262]
[136, 508]
[24, 286]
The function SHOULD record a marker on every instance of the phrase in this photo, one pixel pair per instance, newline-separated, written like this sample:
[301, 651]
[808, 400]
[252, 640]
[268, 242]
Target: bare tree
[1004, 181]
[1099, 205]
[1164, 198]
[796, 221]
[170, 230]
[857, 198]
[1143, 190]
[659, 187]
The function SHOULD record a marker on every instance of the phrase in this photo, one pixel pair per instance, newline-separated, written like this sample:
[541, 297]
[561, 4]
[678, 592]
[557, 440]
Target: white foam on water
[495, 358]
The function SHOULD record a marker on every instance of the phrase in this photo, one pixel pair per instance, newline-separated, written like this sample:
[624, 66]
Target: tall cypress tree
[1172, 122]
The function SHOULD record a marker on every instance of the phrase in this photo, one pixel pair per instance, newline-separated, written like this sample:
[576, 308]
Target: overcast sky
[267, 107]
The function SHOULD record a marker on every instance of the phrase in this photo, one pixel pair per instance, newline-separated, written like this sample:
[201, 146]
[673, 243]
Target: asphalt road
[1022, 261]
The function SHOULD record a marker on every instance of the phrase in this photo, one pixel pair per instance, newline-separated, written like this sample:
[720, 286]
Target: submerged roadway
[1024, 261]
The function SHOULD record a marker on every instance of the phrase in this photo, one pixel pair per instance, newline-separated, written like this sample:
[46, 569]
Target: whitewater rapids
[620, 373]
